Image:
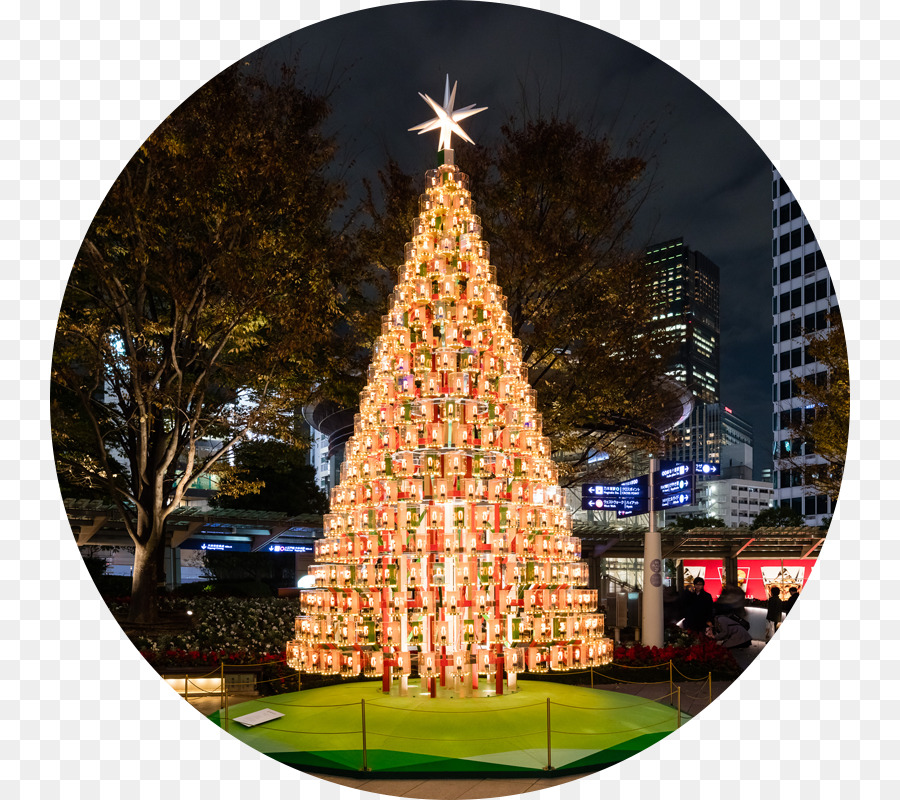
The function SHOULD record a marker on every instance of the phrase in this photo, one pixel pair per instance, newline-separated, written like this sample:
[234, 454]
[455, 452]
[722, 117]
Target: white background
[83, 84]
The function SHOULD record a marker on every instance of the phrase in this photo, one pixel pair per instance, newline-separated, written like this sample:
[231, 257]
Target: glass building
[687, 289]
[802, 296]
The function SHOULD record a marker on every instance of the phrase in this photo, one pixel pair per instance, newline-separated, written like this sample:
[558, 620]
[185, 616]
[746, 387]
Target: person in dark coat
[731, 633]
[698, 607]
[789, 603]
[774, 610]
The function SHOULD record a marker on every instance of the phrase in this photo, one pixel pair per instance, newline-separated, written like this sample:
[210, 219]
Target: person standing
[789, 603]
[774, 609]
[698, 608]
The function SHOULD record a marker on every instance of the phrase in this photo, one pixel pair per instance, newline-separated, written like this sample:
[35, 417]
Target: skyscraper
[802, 295]
[713, 433]
[687, 288]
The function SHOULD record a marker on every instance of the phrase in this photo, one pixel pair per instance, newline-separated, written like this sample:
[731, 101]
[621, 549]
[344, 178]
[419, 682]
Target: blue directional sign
[668, 470]
[200, 544]
[637, 506]
[636, 487]
[675, 500]
[289, 548]
[614, 504]
[706, 469]
[672, 487]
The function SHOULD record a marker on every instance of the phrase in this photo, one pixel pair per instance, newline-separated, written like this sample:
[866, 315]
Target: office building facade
[736, 501]
[687, 289]
[686, 284]
[713, 433]
[802, 296]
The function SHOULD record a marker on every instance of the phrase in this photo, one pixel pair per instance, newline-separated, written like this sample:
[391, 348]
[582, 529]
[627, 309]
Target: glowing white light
[447, 120]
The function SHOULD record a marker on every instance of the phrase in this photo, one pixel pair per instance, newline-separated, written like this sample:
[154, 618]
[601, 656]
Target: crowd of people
[725, 620]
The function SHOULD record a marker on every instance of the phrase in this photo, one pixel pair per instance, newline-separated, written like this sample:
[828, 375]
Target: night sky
[713, 183]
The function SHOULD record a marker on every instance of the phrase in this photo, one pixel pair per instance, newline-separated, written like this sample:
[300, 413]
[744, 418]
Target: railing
[672, 669]
[673, 696]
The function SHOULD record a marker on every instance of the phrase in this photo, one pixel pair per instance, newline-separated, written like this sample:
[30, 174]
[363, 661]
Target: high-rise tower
[687, 293]
[802, 296]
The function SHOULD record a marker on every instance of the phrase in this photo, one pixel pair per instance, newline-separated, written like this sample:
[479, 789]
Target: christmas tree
[448, 550]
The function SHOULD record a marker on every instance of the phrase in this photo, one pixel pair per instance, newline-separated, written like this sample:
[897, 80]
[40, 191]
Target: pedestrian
[789, 603]
[774, 609]
[730, 631]
[733, 598]
[672, 605]
[698, 607]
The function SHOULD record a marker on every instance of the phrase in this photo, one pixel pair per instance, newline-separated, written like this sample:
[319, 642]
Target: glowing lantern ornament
[447, 552]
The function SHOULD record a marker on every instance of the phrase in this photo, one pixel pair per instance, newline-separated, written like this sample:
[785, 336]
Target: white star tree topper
[447, 120]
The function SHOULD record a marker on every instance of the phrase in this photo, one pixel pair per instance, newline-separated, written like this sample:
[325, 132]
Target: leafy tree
[778, 517]
[269, 475]
[198, 301]
[825, 399]
[96, 564]
[686, 523]
[557, 205]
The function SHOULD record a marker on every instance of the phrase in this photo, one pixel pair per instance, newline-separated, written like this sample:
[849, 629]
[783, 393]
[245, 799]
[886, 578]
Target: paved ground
[694, 698]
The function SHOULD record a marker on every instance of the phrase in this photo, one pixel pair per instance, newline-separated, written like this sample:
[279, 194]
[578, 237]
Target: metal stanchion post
[222, 685]
[185, 687]
[225, 709]
[671, 682]
[679, 708]
[365, 766]
[549, 758]
[710, 688]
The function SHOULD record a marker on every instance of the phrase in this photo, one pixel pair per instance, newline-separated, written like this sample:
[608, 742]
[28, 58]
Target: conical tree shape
[448, 550]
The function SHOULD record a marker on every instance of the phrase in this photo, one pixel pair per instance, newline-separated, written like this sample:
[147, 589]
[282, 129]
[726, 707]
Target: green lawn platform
[322, 730]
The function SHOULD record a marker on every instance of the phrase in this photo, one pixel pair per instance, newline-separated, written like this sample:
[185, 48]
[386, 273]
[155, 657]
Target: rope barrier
[260, 664]
[190, 680]
[686, 677]
[607, 733]
[462, 711]
[271, 680]
[313, 733]
[307, 705]
[644, 702]
[208, 674]
[625, 680]
[467, 739]
[694, 696]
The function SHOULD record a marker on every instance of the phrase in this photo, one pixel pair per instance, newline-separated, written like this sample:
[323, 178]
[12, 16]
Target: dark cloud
[712, 180]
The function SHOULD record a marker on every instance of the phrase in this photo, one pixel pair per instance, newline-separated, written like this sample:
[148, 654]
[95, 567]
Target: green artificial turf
[322, 729]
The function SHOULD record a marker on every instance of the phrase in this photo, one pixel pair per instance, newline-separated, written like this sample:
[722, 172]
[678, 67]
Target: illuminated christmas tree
[448, 550]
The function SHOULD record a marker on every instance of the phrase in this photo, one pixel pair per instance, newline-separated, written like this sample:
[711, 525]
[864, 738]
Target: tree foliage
[269, 475]
[825, 398]
[687, 523]
[197, 301]
[778, 517]
[557, 206]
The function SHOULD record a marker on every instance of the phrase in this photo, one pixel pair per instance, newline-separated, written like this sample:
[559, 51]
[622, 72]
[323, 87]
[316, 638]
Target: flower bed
[693, 661]
[273, 676]
[254, 631]
[259, 626]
